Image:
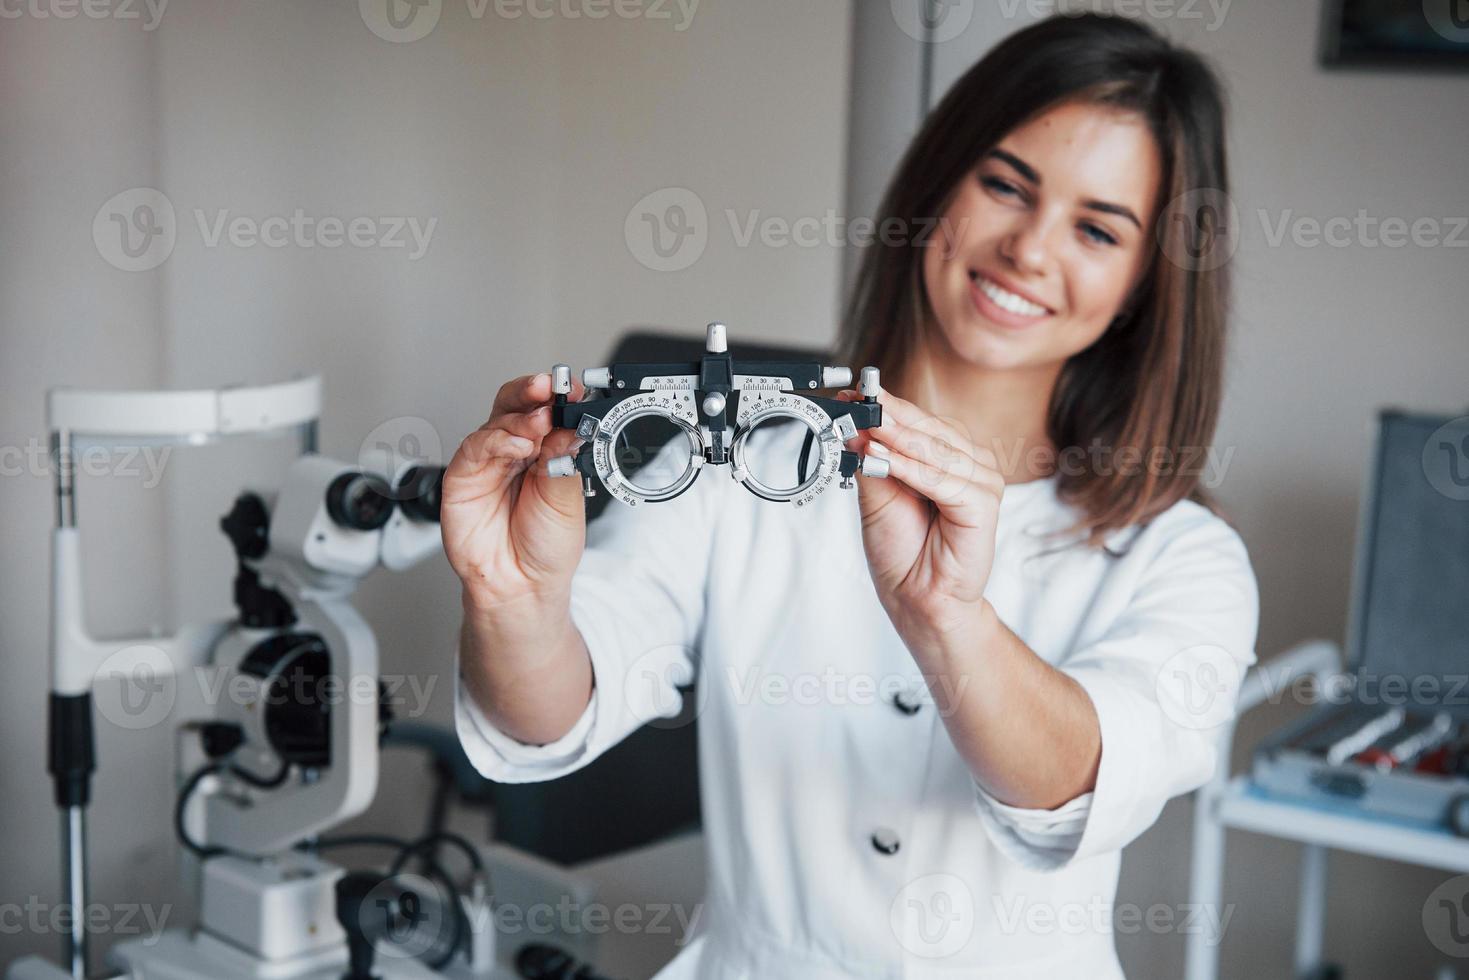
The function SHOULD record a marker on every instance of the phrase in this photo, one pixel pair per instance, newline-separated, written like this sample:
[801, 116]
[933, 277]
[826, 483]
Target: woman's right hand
[510, 531]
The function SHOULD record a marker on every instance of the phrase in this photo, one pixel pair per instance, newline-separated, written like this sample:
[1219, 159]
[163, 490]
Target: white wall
[1323, 337]
[529, 141]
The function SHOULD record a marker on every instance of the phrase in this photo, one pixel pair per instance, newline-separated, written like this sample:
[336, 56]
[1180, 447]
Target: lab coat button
[885, 840]
[906, 703]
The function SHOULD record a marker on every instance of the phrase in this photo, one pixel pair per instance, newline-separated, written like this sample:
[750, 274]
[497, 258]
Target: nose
[1026, 247]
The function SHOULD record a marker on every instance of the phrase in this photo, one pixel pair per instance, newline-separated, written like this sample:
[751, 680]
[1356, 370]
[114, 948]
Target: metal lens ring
[675, 407]
[766, 406]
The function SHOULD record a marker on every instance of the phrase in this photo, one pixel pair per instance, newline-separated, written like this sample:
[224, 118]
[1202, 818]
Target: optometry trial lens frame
[714, 404]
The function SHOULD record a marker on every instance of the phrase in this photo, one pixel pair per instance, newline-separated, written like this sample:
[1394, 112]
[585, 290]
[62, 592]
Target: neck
[1003, 410]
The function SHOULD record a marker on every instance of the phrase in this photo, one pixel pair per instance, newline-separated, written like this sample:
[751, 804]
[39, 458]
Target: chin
[989, 347]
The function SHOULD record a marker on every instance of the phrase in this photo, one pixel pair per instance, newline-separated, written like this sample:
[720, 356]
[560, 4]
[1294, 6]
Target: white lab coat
[845, 835]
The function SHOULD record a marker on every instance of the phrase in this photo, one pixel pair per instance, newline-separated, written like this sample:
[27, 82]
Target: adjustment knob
[714, 403]
[597, 377]
[871, 385]
[561, 379]
[716, 340]
[875, 467]
[561, 466]
[836, 377]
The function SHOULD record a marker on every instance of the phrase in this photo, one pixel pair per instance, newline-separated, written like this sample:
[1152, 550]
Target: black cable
[439, 837]
[192, 783]
[193, 846]
[456, 906]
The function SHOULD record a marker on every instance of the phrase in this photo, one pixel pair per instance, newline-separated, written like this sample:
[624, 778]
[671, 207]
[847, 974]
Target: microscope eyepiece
[419, 492]
[360, 501]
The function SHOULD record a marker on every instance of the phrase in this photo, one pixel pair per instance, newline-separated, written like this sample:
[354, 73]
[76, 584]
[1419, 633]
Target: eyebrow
[1029, 173]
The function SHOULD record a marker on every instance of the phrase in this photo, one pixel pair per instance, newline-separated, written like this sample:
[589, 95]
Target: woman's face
[1045, 240]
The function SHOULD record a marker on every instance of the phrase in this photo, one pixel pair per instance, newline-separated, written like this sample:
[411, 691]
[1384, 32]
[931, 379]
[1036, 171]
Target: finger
[938, 452]
[874, 495]
[963, 503]
[562, 493]
[484, 463]
[901, 414]
[534, 425]
[528, 392]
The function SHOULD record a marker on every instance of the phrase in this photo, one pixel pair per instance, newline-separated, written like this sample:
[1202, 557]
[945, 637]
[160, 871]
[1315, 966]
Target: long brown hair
[1153, 380]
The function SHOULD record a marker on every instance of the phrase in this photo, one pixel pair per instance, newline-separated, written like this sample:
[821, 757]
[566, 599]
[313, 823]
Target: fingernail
[521, 444]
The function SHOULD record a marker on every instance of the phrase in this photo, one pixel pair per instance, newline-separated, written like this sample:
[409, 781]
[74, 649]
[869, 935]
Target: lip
[992, 311]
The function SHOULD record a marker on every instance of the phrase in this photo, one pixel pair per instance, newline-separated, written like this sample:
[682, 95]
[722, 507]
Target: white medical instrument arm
[116, 419]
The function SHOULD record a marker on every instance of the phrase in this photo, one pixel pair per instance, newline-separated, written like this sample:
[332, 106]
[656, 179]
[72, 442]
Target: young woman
[932, 712]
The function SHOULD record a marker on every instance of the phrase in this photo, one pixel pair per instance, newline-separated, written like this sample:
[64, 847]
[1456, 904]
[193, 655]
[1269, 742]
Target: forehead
[1083, 151]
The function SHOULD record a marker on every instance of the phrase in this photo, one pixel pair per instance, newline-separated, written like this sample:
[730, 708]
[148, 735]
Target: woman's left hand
[929, 528]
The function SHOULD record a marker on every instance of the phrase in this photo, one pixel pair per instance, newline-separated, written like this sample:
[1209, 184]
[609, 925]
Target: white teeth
[1007, 300]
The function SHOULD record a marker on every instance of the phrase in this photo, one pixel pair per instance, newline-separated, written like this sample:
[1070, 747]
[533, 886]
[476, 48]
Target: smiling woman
[1071, 168]
[1048, 699]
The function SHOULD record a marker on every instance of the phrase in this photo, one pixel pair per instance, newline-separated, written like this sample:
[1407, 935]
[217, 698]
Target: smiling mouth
[1004, 299]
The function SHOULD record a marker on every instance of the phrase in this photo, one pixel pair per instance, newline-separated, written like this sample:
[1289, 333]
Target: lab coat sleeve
[1164, 680]
[638, 600]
